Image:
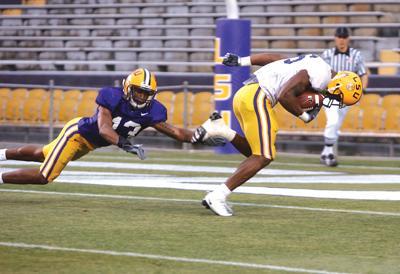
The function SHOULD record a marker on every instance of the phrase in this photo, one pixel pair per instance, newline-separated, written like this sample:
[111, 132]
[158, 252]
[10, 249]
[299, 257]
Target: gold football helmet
[345, 89]
[140, 81]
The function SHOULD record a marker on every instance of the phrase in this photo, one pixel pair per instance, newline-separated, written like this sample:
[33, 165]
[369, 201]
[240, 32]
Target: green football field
[111, 213]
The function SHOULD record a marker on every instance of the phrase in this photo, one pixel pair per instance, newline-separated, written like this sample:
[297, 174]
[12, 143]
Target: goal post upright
[232, 35]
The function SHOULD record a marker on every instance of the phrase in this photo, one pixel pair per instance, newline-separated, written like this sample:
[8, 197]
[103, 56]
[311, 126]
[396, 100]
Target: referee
[341, 57]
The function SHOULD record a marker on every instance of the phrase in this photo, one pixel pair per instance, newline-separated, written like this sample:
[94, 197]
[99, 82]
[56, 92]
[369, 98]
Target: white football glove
[314, 112]
[231, 60]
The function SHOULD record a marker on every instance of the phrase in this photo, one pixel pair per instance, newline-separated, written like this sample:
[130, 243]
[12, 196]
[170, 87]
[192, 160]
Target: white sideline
[128, 197]
[168, 258]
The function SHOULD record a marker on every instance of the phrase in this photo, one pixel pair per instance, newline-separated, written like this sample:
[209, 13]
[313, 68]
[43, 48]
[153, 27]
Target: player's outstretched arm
[186, 135]
[110, 135]
[260, 59]
[105, 126]
[177, 133]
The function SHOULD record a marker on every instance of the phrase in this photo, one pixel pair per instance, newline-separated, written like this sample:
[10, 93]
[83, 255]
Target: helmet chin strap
[136, 105]
[331, 99]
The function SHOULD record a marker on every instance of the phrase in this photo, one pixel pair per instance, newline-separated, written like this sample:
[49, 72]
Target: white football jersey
[273, 76]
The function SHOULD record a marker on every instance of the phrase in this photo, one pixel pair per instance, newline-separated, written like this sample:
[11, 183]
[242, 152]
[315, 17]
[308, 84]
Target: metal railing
[186, 87]
[51, 87]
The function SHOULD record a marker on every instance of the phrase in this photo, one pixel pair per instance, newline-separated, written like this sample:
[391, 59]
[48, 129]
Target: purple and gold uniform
[81, 135]
[253, 103]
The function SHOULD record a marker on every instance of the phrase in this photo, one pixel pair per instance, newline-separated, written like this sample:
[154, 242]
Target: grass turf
[331, 241]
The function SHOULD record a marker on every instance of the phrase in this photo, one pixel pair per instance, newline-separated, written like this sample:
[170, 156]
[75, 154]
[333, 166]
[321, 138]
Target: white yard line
[145, 198]
[125, 178]
[179, 168]
[162, 257]
[208, 184]
[239, 161]
[307, 193]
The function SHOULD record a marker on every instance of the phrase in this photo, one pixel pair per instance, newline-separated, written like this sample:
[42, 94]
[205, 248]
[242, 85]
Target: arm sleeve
[108, 98]
[326, 56]
[360, 65]
[319, 75]
[160, 113]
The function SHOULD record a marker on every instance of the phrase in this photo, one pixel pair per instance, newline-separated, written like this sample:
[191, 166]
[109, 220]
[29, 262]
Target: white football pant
[334, 120]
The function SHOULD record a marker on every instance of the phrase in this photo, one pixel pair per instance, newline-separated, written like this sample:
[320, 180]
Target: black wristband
[122, 141]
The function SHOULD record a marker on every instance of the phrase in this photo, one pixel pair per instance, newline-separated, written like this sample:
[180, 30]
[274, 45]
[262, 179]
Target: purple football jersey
[127, 121]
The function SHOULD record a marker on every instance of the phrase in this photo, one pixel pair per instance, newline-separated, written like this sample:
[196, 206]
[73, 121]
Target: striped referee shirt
[350, 60]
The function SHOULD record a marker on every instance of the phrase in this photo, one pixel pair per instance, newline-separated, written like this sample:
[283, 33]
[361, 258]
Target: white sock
[1, 179]
[327, 150]
[3, 154]
[230, 134]
[223, 191]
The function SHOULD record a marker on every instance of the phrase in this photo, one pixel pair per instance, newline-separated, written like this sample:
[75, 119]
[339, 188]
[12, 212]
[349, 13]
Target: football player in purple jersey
[121, 113]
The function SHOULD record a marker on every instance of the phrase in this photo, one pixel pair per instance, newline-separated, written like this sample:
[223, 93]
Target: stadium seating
[372, 119]
[372, 100]
[34, 2]
[389, 56]
[12, 12]
[87, 105]
[320, 121]
[203, 106]
[14, 104]
[285, 119]
[4, 95]
[391, 101]
[392, 120]
[374, 114]
[177, 36]
[33, 105]
[58, 96]
[353, 120]
[318, 124]
[178, 110]
[167, 98]
[72, 94]
[68, 107]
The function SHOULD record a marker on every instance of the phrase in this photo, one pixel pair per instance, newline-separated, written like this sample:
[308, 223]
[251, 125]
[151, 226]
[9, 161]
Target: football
[308, 100]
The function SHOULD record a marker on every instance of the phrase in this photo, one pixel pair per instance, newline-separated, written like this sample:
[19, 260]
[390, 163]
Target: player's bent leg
[246, 170]
[242, 145]
[24, 176]
[26, 153]
[258, 122]
[216, 200]
[68, 145]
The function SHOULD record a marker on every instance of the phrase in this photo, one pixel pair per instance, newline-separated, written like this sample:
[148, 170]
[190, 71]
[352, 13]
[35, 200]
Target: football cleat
[329, 160]
[345, 89]
[217, 205]
[140, 80]
[215, 126]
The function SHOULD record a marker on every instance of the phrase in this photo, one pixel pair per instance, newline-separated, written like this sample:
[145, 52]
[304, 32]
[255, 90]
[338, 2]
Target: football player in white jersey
[279, 80]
